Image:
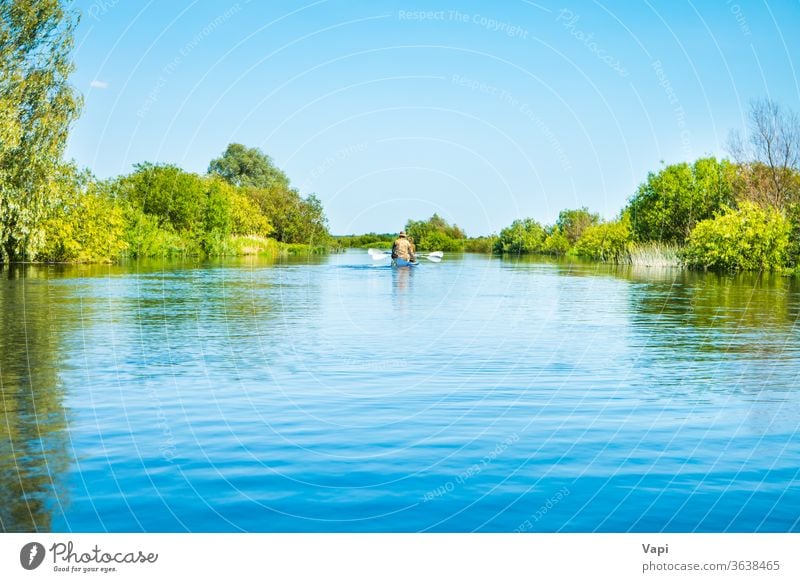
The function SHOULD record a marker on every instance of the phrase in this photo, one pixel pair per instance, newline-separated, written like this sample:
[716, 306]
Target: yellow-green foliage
[556, 243]
[749, 238]
[607, 241]
[481, 244]
[255, 245]
[85, 224]
[37, 105]
[523, 236]
[246, 217]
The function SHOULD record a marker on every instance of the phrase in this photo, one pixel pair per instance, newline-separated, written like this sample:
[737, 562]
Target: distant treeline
[711, 214]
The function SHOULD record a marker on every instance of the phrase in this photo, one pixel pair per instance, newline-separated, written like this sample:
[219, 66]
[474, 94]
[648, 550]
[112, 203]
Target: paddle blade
[376, 257]
[436, 254]
[433, 258]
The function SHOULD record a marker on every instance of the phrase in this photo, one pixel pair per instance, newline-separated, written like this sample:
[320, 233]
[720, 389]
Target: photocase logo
[31, 555]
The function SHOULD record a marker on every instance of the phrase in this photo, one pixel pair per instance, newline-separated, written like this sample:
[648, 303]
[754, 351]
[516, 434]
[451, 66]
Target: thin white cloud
[98, 84]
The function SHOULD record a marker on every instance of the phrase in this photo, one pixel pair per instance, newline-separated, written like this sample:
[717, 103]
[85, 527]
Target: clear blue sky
[481, 111]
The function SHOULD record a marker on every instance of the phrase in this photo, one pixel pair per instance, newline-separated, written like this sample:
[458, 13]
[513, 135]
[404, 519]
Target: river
[339, 394]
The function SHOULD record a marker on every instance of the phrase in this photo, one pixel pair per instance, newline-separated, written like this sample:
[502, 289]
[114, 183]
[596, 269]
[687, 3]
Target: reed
[653, 254]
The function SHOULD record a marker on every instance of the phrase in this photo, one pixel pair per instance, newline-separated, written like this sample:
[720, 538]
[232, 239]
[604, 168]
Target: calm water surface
[335, 394]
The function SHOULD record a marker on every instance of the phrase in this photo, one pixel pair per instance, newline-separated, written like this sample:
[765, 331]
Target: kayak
[381, 254]
[398, 262]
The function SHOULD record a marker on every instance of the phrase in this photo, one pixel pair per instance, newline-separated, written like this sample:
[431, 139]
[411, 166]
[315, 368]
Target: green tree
[572, 223]
[607, 241]
[246, 216]
[293, 219]
[436, 234]
[243, 166]
[671, 202]
[556, 243]
[177, 198]
[37, 106]
[523, 236]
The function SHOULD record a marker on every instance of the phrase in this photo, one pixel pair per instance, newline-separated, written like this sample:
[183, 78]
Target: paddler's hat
[402, 233]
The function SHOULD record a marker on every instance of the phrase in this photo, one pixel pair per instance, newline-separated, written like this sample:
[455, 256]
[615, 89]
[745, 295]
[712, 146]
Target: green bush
[294, 219]
[572, 223]
[146, 238]
[557, 243]
[607, 241]
[481, 244]
[177, 198]
[522, 237]
[439, 241]
[793, 215]
[435, 234]
[747, 239]
[365, 241]
[85, 224]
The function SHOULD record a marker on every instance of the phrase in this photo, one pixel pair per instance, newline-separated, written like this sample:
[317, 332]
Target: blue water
[337, 394]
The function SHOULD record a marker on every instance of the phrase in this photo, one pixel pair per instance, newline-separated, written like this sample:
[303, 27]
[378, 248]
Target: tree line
[738, 214]
[742, 213]
[50, 210]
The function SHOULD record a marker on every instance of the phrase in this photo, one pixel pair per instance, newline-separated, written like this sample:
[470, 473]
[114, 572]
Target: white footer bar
[401, 557]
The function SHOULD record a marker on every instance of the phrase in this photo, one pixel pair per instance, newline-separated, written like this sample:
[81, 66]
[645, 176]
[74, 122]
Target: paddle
[378, 255]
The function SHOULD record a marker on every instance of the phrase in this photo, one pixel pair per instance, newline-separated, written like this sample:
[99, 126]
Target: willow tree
[37, 105]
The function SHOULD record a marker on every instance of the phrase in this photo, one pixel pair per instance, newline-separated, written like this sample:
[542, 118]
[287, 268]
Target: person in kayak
[403, 249]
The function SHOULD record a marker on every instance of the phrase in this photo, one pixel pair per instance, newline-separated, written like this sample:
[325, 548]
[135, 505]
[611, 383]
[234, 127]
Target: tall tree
[243, 166]
[672, 201]
[769, 158]
[37, 105]
[572, 223]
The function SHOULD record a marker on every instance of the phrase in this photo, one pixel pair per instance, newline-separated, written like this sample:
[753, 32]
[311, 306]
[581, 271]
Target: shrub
[436, 234]
[572, 223]
[556, 243]
[523, 236]
[481, 244]
[365, 241]
[85, 225]
[607, 241]
[749, 238]
[146, 238]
